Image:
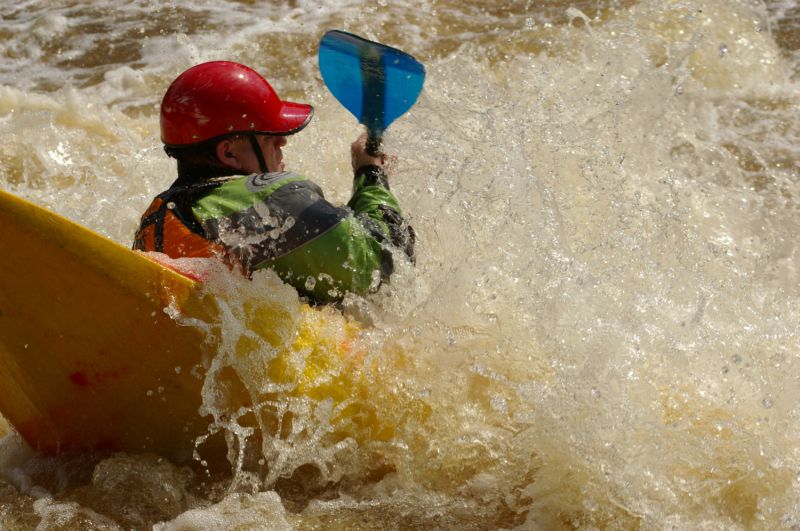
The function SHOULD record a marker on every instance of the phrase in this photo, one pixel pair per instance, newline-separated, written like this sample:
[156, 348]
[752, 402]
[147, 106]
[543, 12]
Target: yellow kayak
[89, 360]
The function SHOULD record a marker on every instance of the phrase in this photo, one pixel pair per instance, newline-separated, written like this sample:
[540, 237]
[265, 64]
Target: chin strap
[259, 154]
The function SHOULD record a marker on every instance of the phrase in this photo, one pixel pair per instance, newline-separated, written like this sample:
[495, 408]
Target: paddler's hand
[360, 157]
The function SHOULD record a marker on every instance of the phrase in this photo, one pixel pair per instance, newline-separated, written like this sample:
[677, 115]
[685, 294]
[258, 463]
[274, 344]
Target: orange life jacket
[169, 227]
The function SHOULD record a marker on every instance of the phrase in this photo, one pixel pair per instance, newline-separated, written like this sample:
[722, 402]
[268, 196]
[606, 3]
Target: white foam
[262, 510]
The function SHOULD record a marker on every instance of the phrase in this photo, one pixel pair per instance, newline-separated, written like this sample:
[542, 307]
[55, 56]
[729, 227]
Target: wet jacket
[282, 221]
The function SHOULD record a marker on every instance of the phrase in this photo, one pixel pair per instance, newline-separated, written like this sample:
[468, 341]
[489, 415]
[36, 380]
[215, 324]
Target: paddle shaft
[373, 87]
[373, 146]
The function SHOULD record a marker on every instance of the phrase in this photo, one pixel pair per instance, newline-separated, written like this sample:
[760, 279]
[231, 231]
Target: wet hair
[199, 161]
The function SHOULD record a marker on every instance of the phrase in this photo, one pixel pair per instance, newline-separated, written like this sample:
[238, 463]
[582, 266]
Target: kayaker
[225, 126]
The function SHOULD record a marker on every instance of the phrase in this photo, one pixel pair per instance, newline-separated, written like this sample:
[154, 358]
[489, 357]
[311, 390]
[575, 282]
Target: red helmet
[219, 98]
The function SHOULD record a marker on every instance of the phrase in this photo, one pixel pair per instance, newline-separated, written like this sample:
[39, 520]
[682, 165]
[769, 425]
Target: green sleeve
[345, 258]
[372, 197]
[354, 255]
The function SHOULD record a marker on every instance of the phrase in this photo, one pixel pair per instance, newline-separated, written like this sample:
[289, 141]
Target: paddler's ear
[227, 154]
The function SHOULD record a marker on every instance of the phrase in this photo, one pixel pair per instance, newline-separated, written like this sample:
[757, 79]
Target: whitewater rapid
[601, 330]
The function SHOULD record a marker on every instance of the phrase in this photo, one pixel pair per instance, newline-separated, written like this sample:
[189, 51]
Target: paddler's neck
[189, 174]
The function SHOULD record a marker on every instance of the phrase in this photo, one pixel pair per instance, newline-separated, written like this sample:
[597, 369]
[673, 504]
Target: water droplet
[499, 404]
[310, 283]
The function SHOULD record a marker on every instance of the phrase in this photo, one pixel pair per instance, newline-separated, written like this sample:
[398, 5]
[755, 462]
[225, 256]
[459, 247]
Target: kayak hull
[89, 360]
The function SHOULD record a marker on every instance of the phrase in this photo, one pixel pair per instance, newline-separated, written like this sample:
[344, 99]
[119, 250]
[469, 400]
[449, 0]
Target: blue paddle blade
[373, 81]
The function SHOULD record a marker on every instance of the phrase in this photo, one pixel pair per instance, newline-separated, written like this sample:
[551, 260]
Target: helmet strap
[259, 154]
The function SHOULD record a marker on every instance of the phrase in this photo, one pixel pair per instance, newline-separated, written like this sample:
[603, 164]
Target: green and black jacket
[283, 222]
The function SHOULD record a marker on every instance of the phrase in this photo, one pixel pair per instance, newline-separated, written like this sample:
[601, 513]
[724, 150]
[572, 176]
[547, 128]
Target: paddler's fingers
[360, 157]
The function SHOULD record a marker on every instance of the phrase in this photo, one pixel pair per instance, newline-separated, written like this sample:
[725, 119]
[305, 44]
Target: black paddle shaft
[374, 86]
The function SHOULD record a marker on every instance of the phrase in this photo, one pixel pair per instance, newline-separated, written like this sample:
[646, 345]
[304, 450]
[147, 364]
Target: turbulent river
[601, 330]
